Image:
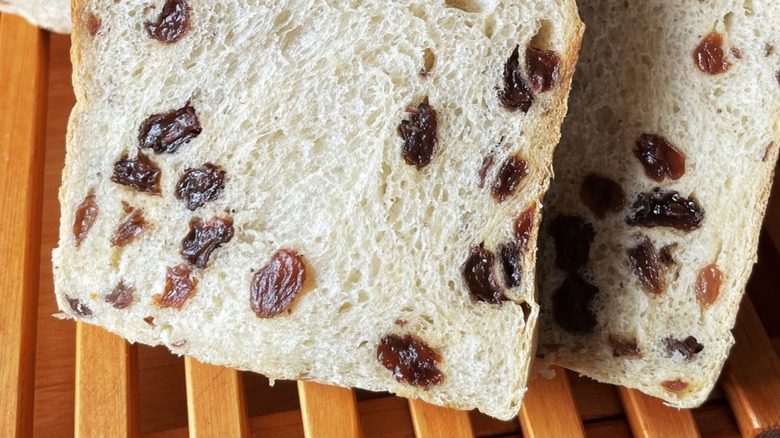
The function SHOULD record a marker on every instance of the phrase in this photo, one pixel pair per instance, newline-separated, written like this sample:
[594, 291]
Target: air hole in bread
[429, 61]
[472, 5]
[728, 21]
[490, 26]
[543, 38]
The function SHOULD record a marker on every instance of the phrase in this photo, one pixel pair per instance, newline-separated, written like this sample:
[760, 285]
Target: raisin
[601, 195]
[140, 174]
[78, 307]
[623, 346]
[509, 176]
[542, 68]
[659, 157]
[86, 215]
[150, 320]
[275, 286]
[487, 162]
[479, 277]
[771, 144]
[648, 267]
[516, 95]
[509, 255]
[419, 135]
[129, 229]
[122, 296]
[524, 225]
[573, 237]
[178, 344]
[661, 208]
[708, 285]
[674, 385]
[708, 56]
[200, 185]
[93, 24]
[768, 49]
[204, 237]
[127, 208]
[688, 347]
[172, 23]
[179, 287]
[735, 52]
[666, 256]
[165, 133]
[572, 304]
[410, 359]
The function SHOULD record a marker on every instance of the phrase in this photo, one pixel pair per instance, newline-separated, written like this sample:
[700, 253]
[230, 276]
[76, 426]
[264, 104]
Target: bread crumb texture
[310, 173]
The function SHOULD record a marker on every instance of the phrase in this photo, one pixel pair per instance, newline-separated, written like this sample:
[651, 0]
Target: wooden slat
[105, 384]
[436, 422]
[23, 79]
[215, 401]
[751, 379]
[544, 397]
[649, 417]
[328, 411]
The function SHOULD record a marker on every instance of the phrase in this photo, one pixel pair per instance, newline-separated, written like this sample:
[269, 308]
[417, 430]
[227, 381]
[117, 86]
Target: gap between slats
[23, 80]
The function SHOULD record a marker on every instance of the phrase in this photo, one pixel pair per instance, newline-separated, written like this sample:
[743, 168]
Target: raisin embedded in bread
[665, 161]
[53, 15]
[345, 192]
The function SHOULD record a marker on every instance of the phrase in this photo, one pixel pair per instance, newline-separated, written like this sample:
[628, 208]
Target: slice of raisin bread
[345, 192]
[662, 178]
[53, 15]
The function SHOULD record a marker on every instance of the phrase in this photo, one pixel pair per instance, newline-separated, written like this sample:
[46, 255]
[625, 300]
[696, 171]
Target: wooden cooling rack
[60, 379]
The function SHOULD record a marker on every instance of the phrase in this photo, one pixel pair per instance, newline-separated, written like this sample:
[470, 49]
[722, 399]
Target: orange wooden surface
[215, 401]
[751, 378]
[328, 411]
[105, 385]
[23, 78]
[436, 422]
[545, 397]
[649, 417]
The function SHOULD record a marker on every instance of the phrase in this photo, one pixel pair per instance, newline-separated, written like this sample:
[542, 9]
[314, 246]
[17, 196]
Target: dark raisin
[509, 256]
[165, 133]
[768, 49]
[516, 95]
[688, 347]
[601, 195]
[542, 68]
[487, 162]
[572, 305]
[172, 23]
[86, 215]
[129, 229]
[659, 157]
[648, 267]
[140, 174]
[661, 208]
[623, 346]
[275, 285]
[150, 320]
[708, 285]
[204, 237]
[419, 135]
[708, 56]
[179, 287]
[479, 278]
[573, 237]
[509, 176]
[674, 385]
[122, 296]
[200, 185]
[666, 256]
[524, 225]
[411, 360]
[78, 307]
[127, 208]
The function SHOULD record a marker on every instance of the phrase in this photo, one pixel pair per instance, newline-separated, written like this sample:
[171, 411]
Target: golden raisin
[708, 285]
[130, 229]
[86, 214]
[179, 287]
[708, 56]
[674, 385]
